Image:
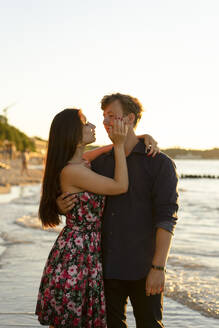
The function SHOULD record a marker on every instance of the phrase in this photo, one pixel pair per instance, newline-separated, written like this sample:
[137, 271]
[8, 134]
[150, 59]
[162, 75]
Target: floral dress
[71, 291]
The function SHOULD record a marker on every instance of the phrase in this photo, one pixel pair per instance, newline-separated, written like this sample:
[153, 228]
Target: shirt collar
[139, 148]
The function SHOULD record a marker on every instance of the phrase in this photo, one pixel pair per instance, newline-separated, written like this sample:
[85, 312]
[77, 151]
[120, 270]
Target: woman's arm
[86, 179]
[90, 155]
[150, 143]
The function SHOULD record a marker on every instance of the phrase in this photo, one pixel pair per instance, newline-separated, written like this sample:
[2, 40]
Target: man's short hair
[129, 104]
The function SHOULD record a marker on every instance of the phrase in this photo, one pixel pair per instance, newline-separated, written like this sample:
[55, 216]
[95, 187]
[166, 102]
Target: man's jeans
[147, 309]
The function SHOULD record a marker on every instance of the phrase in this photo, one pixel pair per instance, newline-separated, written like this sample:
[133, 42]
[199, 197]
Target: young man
[138, 225]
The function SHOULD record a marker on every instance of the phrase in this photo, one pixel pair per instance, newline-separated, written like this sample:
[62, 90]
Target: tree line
[205, 154]
[15, 136]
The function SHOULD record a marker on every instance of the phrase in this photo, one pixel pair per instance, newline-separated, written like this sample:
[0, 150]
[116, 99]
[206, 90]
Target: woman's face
[88, 131]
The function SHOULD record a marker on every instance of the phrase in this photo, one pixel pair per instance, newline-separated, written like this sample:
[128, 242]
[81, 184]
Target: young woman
[71, 290]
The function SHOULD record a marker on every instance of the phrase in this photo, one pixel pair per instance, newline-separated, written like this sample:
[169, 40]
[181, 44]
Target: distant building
[40, 147]
[8, 150]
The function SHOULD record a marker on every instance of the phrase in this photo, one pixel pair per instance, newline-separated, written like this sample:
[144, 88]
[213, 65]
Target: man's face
[112, 111]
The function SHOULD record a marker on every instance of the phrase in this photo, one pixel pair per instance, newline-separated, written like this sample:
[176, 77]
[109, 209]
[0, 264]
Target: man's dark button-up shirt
[130, 220]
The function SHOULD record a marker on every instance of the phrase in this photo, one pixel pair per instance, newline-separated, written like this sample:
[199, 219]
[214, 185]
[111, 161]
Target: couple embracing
[121, 208]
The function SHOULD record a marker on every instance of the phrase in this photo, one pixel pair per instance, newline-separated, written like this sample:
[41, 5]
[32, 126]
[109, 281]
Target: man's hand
[155, 282]
[151, 145]
[65, 202]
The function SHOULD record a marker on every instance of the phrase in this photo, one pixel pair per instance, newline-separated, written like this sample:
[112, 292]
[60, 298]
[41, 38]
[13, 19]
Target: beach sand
[13, 177]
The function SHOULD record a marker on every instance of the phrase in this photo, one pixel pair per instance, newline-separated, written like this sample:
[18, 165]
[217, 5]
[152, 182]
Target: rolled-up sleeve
[165, 195]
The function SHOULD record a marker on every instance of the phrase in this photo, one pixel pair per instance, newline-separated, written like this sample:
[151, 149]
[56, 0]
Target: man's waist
[141, 249]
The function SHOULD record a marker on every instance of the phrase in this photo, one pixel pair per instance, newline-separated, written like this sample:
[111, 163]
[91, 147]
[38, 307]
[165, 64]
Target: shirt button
[111, 233]
[113, 213]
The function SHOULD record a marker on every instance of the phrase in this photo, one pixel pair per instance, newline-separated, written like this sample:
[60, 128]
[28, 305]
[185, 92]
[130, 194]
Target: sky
[64, 53]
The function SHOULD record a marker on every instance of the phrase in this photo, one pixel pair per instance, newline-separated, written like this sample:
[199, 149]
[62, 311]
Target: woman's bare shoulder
[72, 169]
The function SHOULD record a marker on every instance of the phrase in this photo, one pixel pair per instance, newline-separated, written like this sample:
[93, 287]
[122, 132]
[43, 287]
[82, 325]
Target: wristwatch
[160, 268]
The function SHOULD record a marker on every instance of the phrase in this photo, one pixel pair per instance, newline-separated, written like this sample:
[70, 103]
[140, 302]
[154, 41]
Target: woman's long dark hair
[65, 134]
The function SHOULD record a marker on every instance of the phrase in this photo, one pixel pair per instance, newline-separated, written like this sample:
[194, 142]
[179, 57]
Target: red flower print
[80, 275]
[76, 321]
[49, 269]
[79, 241]
[47, 293]
[71, 306]
[56, 321]
[72, 270]
[94, 273]
[79, 311]
[64, 274]
[65, 299]
[61, 243]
